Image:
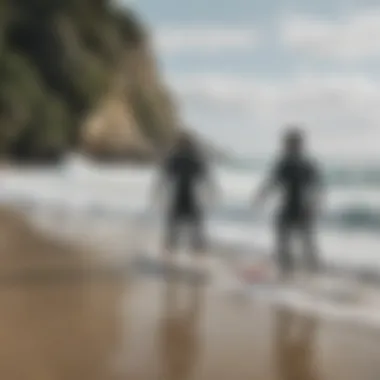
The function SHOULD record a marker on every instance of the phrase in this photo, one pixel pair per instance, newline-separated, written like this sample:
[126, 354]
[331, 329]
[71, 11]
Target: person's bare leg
[172, 232]
[310, 255]
[284, 259]
[310, 251]
[199, 243]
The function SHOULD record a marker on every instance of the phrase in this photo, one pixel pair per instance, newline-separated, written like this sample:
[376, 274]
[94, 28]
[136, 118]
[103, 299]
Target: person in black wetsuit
[299, 181]
[184, 171]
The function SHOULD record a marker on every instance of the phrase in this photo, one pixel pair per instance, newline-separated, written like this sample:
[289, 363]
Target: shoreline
[86, 207]
[98, 327]
[128, 234]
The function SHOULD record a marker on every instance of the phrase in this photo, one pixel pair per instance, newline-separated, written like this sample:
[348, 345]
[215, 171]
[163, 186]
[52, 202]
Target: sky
[242, 70]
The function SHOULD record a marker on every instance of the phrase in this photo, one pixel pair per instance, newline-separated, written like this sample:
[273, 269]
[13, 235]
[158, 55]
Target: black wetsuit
[297, 178]
[184, 170]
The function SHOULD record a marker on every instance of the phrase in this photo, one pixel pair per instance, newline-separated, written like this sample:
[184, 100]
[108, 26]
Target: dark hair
[294, 135]
[185, 140]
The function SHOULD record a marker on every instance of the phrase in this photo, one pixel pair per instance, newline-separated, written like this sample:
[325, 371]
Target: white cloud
[204, 39]
[351, 37]
[342, 113]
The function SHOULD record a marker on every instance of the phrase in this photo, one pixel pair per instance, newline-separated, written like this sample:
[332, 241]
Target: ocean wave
[367, 175]
[341, 215]
[350, 217]
[125, 190]
[358, 218]
[363, 178]
[334, 174]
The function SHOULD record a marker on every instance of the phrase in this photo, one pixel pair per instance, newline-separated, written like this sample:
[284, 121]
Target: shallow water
[104, 206]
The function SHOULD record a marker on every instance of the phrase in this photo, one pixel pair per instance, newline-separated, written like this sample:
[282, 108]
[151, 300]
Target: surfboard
[154, 266]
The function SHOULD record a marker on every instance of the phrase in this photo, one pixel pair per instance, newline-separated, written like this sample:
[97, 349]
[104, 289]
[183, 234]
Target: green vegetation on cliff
[64, 66]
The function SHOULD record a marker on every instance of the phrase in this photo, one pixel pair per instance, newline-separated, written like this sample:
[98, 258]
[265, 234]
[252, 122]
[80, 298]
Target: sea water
[109, 208]
[92, 199]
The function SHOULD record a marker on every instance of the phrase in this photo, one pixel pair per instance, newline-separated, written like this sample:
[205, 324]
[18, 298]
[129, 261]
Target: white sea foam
[80, 189]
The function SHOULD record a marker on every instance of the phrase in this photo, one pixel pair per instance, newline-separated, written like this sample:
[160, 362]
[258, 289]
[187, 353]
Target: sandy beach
[64, 316]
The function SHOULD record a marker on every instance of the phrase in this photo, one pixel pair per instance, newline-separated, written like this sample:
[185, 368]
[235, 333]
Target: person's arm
[263, 192]
[267, 187]
[160, 183]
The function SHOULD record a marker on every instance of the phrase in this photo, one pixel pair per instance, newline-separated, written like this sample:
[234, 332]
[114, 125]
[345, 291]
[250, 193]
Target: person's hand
[259, 197]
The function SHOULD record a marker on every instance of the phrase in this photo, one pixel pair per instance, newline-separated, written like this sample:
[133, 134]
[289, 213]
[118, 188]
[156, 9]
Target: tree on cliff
[58, 58]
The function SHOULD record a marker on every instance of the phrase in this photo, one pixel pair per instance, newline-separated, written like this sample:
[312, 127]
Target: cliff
[79, 75]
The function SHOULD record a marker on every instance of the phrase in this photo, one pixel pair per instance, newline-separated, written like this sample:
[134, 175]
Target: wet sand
[84, 322]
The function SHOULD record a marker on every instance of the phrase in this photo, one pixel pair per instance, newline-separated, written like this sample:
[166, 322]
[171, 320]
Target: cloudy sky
[242, 69]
